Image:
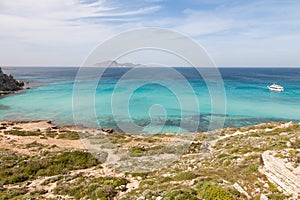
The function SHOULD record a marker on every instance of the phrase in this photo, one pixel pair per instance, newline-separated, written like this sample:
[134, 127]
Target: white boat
[275, 87]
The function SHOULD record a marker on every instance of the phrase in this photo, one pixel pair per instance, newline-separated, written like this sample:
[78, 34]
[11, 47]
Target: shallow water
[179, 105]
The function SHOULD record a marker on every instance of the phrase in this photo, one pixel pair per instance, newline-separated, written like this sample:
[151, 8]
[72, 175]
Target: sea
[154, 100]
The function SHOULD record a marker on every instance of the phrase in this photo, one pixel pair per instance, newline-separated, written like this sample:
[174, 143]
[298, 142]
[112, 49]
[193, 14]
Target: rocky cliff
[8, 84]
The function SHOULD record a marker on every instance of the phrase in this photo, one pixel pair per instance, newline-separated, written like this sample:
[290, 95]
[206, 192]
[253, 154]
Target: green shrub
[226, 163]
[34, 144]
[253, 168]
[22, 133]
[68, 161]
[52, 180]
[222, 155]
[255, 135]
[210, 191]
[96, 188]
[16, 128]
[279, 155]
[181, 195]
[48, 164]
[278, 197]
[14, 193]
[69, 135]
[273, 187]
[16, 178]
[164, 179]
[51, 134]
[185, 176]
[137, 150]
[8, 159]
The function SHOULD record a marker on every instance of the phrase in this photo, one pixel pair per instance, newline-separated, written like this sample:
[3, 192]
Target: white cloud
[200, 23]
[55, 31]
[254, 33]
[29, 27]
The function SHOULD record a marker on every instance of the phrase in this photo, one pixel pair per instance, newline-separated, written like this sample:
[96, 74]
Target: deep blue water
[153, 99]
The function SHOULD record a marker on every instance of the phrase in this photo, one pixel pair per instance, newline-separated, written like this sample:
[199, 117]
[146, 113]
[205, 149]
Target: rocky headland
[40, 160]
[8, 84]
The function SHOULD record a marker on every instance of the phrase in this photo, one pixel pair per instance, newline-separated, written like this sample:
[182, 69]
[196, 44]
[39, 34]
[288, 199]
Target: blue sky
[234, 32]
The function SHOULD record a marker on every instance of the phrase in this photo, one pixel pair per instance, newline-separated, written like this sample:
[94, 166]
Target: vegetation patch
[34, 144]
[209, 190]
[181, 194]
[185, 176]
[20, 169]
[137, 150]
[69, 135]
[92, 188]
[14, 193]
[51, 134]
[22, 133]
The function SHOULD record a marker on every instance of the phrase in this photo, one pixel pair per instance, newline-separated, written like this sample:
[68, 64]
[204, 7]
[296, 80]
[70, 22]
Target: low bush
[69, 135]
[15, 193]
[137, 150]
[34, 144]
[51, 134]
[181, 194]
[22, 133]
[209, 190]
[96, 188]
[49, 164]
[185, 176]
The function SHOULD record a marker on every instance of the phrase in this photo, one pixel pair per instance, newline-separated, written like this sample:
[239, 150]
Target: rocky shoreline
[42, 160]
[9, 85]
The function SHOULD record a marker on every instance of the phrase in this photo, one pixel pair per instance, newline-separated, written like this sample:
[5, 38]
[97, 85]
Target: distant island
[113, 63]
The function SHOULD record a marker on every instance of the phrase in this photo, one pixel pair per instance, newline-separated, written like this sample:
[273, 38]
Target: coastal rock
[241, 190]
[263, 197]
[8, 84]
[107, 130]
[277, 172]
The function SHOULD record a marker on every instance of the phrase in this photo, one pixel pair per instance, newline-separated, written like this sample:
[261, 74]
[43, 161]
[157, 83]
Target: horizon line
[144, 66]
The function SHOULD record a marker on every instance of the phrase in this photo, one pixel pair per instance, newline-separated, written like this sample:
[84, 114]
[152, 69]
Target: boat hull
[276, 89]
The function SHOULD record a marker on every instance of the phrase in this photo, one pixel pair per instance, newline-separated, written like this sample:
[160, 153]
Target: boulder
[107, 130]
[278, 173]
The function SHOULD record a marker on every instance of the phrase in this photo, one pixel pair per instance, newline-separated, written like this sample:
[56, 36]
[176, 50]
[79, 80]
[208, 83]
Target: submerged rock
[8, 84]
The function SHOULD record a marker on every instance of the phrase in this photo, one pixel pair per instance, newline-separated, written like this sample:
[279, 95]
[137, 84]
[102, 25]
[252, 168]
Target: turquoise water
[151, 106]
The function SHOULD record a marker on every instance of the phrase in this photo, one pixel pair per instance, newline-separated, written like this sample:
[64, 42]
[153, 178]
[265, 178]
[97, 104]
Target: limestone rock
[277, 172]
[263, 197]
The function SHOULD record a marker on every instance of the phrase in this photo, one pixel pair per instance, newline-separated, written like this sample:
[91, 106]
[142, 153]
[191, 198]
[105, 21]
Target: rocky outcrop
[8, 84]
[277, 172]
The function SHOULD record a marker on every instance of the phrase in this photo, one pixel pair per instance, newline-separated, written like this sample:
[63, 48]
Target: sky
[233, 32]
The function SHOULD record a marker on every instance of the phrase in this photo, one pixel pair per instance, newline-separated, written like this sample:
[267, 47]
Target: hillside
[40, 160]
